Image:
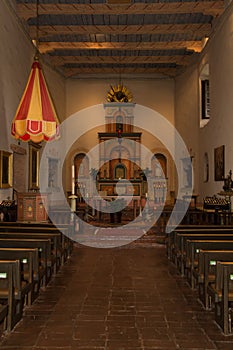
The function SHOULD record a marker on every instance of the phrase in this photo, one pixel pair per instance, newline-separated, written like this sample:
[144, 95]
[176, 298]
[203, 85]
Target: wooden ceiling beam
[199, 29]
[71, 72]
[214, 8]
[46, 47]
[62, 60]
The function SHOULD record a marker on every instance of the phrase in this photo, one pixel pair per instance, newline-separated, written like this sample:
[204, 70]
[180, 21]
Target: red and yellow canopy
[35, 119]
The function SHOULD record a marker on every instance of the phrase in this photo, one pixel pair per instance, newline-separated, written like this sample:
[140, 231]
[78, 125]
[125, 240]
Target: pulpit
[32, 207]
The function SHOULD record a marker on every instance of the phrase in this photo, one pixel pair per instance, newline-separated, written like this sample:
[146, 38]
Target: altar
[101, 203]
[121, 167]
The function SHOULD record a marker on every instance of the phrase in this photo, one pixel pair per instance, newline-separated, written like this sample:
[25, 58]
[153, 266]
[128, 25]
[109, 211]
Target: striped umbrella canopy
[36, 119]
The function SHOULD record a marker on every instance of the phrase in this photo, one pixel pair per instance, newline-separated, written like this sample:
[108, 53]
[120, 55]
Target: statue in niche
[81, 169]
[228, 183]
[52, 174]
[120, 172]
[187, 168]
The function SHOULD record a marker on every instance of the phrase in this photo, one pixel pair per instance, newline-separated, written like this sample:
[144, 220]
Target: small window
[205, 99]
[204, 96]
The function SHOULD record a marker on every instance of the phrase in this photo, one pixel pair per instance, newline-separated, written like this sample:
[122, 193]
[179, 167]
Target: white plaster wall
[157, 94]
[219, 130]
[16, 57]
[186, 115]
[219, 54]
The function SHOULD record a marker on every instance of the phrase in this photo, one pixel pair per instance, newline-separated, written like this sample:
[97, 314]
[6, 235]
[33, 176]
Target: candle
[73, 180]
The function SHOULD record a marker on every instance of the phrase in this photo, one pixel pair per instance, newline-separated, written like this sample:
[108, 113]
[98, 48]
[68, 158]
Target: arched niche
[81, 162]
[120, 171]
[159, 165]
[119, 123]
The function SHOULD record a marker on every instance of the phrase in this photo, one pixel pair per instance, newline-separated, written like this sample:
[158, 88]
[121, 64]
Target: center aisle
[116, 299]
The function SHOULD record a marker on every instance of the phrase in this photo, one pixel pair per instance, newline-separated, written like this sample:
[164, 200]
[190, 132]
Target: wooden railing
[193, 217]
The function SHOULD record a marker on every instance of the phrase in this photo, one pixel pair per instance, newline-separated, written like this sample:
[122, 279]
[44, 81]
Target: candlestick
[73, 179]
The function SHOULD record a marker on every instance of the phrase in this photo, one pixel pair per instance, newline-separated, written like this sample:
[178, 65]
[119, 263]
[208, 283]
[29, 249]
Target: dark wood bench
[55, 260]
[66, 230]
[182, 238]
[64, 244]
[6, 294]
[193, 248]
[44, 251]
[3, 315]
[173, 244]
[222, 294]
[192, 218]
[12, 290]
[206, 270]
[29, 263]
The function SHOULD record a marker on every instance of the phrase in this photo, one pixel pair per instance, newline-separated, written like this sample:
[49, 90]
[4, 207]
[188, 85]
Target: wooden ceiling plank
[69, 72]
[214, 8]
[62, 60]
[51, 46]
[197, 28]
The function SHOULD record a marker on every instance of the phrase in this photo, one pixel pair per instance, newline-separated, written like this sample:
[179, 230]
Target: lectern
[32, 207]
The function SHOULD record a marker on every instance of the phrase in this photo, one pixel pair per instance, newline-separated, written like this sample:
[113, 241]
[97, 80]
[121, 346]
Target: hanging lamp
[36, 119]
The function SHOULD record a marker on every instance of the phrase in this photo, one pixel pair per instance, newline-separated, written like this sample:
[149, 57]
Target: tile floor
[128, 298]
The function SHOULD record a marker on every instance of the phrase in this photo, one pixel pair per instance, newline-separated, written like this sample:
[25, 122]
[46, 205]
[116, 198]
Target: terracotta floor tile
[129, 298]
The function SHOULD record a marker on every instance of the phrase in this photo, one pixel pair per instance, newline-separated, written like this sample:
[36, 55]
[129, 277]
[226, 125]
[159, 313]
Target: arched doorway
[81, 163]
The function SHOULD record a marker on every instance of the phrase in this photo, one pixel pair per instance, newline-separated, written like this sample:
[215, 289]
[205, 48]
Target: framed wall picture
[5, 169]
[219, 163]
[34, 164]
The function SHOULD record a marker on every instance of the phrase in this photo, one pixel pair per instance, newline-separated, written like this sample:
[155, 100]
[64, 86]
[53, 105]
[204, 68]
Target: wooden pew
[55, 260]
[13, 290]
[193, 248]
[29, 224]
[29, 263]
[44, 250]
[192, 217]
[6, 294]
[222, 293]
[173, 241]
[206, 270]
[197, 230]
[227, 298]
[182, 239]
[3, 314]
[65, 231]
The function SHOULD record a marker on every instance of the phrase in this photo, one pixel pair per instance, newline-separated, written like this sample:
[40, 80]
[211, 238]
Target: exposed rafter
[133, 37]
[200, 29]
[196, 46]
[178, 59]
[73, 71]
[213, 8]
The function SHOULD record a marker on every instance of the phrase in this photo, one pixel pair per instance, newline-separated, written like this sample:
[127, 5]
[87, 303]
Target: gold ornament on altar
[119, 93]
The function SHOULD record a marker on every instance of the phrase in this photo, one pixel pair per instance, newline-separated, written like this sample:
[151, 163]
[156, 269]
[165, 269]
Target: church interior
[116, 158]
